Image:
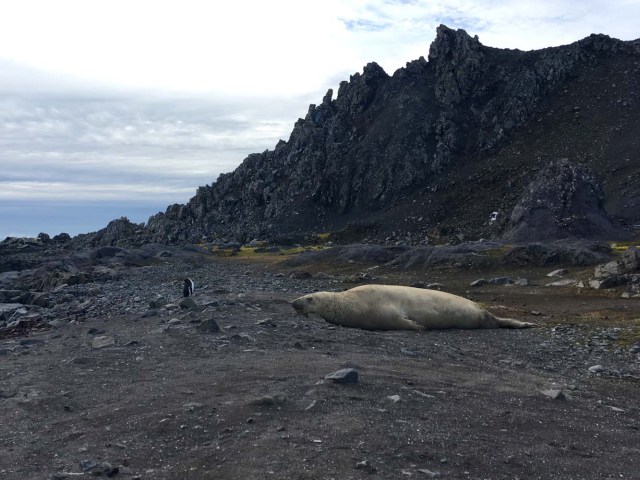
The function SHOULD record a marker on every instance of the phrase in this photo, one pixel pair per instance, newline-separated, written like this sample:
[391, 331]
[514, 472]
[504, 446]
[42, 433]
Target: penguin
[187, 289]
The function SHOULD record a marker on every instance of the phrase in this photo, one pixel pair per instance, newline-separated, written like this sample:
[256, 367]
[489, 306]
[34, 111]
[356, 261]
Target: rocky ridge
[410, 151]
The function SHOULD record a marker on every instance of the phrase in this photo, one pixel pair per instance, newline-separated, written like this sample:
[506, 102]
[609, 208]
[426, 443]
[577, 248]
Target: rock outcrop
[434, 148]
[625, 270]
[564, 200]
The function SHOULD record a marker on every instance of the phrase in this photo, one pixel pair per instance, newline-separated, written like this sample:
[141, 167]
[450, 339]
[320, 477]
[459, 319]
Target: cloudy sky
[120, 108]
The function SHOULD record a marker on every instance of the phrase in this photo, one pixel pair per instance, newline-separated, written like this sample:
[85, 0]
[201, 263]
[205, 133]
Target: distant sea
[28, 219]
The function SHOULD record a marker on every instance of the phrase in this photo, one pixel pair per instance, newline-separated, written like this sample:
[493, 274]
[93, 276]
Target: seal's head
[306, 304]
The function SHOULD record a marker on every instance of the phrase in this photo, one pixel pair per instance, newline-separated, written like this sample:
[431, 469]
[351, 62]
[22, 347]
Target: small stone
[409, 353]
[191, 406]
[346, 375]
[567, 282]
[394, 398]
[422, 394]
[615, 409]
[208, 326]
[522, 282]
[366, 466]
[157, 303]
[108, 469]
[270, 400]
[596, 369]
[478, 283]
[536, 313]
[188, 303]
[175, 321]
[556, 394]
[435, 286]
[87, 465]
[323, 276]
[267, 322]
[429, 473]
[103, 341]
[558, 273]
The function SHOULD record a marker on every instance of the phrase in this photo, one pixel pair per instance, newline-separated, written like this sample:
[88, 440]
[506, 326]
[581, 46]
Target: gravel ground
[99, 383]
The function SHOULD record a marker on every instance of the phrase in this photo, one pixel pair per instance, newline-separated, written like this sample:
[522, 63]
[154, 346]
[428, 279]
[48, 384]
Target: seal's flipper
[406, 323]
[512, 323]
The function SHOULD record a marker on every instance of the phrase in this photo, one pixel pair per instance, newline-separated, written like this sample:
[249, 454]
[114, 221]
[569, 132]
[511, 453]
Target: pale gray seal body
[393, 307]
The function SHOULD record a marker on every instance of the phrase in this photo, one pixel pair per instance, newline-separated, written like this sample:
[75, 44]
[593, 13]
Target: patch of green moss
[621, 247]
[499, 252]
[294, 250]
[254, 252]
[629, 336]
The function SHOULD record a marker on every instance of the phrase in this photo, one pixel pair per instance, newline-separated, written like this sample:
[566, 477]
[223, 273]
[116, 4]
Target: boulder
[609, 282]
[629, 262]
[564, 200]
[188, 303]
[558, 273]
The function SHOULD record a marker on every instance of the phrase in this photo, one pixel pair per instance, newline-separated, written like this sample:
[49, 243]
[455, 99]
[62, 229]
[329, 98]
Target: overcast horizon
[112, 109]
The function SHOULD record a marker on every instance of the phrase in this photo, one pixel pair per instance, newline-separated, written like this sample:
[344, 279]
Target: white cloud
[95, 192]
[103, 140]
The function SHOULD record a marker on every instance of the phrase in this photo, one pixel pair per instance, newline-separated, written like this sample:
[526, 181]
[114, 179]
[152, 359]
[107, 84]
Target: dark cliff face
[434, 148]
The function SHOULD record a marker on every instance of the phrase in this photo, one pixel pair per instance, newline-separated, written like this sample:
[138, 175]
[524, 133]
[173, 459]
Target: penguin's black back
[187, 289]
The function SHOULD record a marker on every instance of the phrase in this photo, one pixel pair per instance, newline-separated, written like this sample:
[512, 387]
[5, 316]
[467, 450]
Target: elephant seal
[393, 307]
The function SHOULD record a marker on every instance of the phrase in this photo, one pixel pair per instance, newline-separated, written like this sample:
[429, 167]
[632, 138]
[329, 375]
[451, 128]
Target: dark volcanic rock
[433, 150]
[575, 253]
[564, 200]
[349, 253]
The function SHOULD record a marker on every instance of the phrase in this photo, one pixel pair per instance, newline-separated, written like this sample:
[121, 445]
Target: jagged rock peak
[450, 43]
[458, 62]
[372, 71]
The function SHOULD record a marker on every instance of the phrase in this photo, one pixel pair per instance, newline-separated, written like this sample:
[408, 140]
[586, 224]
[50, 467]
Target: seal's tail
[512, 323]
